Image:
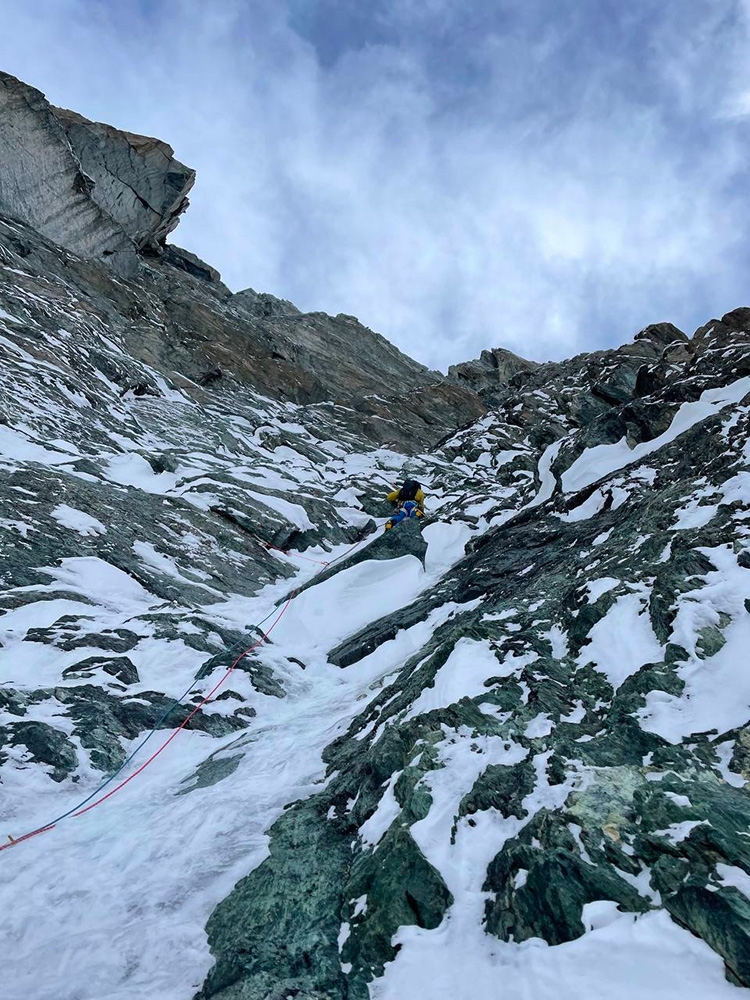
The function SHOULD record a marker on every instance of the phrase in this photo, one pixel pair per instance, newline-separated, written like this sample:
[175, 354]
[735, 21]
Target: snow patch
[78, 520]
[622, 641]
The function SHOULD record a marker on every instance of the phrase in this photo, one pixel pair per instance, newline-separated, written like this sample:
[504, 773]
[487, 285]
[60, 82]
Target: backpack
[409, 490]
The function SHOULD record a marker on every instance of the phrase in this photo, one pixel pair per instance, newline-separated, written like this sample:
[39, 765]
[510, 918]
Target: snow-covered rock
[495, 758]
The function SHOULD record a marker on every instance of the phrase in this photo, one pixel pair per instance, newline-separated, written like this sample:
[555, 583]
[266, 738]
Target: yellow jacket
[419, 497]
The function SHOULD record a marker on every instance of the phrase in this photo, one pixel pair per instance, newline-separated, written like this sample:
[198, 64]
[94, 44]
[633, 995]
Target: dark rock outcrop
[490, 371]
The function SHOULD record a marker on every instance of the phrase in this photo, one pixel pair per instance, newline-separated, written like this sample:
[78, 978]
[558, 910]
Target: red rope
[13, 841]
[288, 552]
[204, 701]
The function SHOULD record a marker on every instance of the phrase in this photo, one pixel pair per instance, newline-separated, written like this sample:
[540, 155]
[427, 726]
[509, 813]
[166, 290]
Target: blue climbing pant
[408, 509]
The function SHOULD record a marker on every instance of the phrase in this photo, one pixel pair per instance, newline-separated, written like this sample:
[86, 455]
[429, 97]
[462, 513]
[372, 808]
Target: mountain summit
[253, 747]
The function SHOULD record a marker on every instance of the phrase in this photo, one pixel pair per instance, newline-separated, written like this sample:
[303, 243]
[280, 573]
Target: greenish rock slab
[64, 634]
[402, 889]
[281, 922]
[500, 787]
[722, 918]
[46, 745]
[261, 675]
[541, 884]
[710, 640]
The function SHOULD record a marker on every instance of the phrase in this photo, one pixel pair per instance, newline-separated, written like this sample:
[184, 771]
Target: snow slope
[504, 770]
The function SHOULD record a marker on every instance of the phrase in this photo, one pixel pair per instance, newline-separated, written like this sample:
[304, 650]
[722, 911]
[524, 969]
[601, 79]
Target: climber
[409, 490]
[408, 500]
[409, 508]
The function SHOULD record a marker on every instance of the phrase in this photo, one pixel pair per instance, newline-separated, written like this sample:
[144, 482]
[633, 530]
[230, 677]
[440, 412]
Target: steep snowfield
[120, 897]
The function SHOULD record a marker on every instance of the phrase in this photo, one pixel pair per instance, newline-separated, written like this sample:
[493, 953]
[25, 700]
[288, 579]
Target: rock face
[538, 728]
[491, 371]
[135, 180]
[90, 188]
[113, 197]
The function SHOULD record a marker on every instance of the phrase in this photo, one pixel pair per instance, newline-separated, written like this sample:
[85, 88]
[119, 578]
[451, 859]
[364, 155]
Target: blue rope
[155, 727]
[164, 716]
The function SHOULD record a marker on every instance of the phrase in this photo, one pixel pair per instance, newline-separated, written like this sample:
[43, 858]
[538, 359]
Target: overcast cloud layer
[547, 177]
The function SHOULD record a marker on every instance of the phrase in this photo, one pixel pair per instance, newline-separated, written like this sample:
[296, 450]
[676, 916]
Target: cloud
[458, 176]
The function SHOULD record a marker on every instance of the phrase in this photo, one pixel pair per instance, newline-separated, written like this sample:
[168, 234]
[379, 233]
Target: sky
[459, 174]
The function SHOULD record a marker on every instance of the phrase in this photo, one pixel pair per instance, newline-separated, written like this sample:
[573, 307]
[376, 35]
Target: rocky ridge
[531, 725]
[111, 197]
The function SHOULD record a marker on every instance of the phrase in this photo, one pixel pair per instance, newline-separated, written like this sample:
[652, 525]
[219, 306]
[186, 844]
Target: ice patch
[103, 583]
[540, 725]
[134, 470]
[321, 617]
[41, 614]
[20, 448]
[725, 752]
[292, 512]
[624, 957]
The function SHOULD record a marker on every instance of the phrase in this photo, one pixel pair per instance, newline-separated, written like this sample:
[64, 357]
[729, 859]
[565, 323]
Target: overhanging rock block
[88, 187]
